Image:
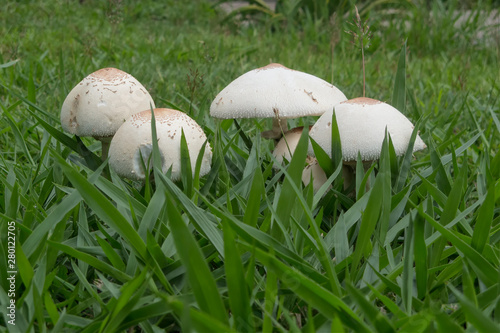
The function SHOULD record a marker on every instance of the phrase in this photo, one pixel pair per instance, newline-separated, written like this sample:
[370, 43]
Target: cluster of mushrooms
[113, 107]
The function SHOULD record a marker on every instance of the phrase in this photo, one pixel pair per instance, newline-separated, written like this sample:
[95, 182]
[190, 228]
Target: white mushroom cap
[362, 122]
[102, 101]
[284, 151]
[275, 90]
[134, 139]
[318, 175]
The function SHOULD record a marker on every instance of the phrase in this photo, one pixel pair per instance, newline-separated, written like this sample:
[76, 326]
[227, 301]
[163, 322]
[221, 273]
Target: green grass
[246, 247]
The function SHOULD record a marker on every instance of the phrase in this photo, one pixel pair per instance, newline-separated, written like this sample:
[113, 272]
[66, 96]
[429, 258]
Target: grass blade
[484, 220]
[239, 299]
[201, 280]
[314, 294]
[399, 91]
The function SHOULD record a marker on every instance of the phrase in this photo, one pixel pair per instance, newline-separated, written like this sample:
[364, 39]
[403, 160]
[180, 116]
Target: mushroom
[101, 103]
[362, 122]
[285, 149]
[313, 170]
[133, 144]
[277, 92]
[286, 145]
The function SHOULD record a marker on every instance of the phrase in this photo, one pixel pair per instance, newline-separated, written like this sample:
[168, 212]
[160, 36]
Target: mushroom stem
[105, 147]
[279, 127]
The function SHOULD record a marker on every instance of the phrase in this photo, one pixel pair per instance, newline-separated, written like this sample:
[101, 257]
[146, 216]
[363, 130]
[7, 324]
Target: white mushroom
[277, 92]
[101, 103]
[132, 144]
[314, 170]
[286, 145]
[362, 123]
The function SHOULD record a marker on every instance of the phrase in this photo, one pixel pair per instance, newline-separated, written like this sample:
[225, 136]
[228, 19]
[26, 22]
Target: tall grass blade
[314, 294]
[200, 278]
[481, 322]
[239, 299]
[484, 220]
[399, 91]
[379, 321]
[104, 208]
[483, 268]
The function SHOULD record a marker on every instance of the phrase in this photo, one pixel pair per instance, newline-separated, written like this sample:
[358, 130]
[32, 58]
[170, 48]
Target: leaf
[420, 257]
[370, 311]
[239, 299]
[295, 168]
[481, 322]
[399, 91]
[484, 220]
[91, 260]
[104, 208]
[186, 174]
[408, 273]
[311, 292]
[200, 279]
[481, 266]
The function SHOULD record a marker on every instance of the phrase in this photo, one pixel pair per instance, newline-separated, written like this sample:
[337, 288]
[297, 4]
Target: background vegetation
[248, 248]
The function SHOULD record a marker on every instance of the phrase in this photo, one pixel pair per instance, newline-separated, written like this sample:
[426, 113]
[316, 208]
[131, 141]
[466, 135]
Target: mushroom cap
[282, 150]
[318, 175]
[362, 122]
[134, 139]
[274, 90]
[101, 102]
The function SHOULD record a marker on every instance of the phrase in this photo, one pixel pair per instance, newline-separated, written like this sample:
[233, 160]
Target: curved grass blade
[239, 299]
[370, 311]
[200, 278]
[483, 268]
[399, 91]
[103, 208]
[484, 220]
[480, 321]
[91, 260]
[311, 292]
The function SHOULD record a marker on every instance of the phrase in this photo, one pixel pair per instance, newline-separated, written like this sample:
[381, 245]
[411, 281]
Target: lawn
[248, 247]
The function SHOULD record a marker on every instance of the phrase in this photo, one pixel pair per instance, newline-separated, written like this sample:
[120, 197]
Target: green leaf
[113, 257]
[408, 273]
[186, 174]
[481, 322]
[483, 268]
[130, 295]
[239, 299]
[420, 257]
[200, 279]
[399, 91]
[311, 292]
[295, 168]
[104, 208]
[257, 191]
[484, 220]
[91, 260]
[370, 311]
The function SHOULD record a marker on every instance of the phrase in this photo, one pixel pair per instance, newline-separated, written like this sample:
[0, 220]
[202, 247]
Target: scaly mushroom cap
[101, 103]
[275, 90]
[134, 139]
[362, 122]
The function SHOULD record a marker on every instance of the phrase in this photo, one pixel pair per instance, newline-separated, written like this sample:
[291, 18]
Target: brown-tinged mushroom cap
[286, 145]
[275, 91]
[101, 102]
[134, 139]
[362, 123]
[314, 170]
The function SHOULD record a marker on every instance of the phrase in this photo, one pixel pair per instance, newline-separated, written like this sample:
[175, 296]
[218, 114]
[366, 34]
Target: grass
[248, 248]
